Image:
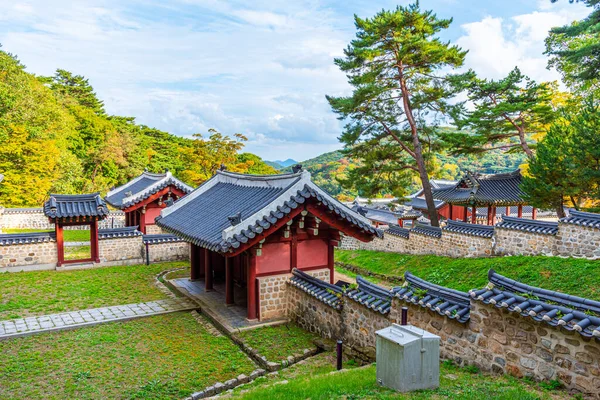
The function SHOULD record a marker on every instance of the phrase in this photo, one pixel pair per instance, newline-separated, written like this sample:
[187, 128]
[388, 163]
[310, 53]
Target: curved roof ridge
[144, 174]
[437, 289]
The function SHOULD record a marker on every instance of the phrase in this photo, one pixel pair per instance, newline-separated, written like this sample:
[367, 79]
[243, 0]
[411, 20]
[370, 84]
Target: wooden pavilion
[491, 191]
[145, 196]
[76, 210]
[244, 227]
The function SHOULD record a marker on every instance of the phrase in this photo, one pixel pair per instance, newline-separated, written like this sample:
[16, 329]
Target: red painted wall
[151, 214]
[312, 253]
[275, 258]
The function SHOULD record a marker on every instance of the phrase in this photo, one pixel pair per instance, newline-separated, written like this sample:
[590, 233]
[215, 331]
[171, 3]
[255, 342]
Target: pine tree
[394, 66]
[507, 114]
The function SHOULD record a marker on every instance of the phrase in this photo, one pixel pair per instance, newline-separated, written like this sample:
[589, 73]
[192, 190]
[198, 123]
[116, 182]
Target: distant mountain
[326, 168]
[278, 164]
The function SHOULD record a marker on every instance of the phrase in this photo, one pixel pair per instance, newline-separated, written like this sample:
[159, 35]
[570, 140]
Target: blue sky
[261, 68]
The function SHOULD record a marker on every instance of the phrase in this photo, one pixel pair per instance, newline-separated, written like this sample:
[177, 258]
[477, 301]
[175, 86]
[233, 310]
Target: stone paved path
[75, 319]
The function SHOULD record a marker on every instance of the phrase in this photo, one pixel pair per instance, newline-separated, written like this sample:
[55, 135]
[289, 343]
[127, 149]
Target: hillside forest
[56, 137]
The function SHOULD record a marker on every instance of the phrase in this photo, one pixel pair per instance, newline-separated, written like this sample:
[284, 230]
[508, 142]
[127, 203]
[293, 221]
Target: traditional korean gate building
[490, 191]
[76, 210]
[144, 197]
[242, 228]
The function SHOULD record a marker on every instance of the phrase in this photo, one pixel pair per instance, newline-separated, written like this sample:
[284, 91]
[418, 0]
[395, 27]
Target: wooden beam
[208, 271]
[330, 262]
[466, 216]
[534, 213]
[331, 220]
[228, 281]
[194, 263]
[489, 215]
[520, 211]
[60, 244]
[154, 197]
[252, 304]
[94, 245]
[474, 215]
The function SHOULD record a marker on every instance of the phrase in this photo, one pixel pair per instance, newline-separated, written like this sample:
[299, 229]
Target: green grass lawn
[24, 294]
[360, 383]
[278, 342]
[162, 357]
[78, 252]
[568, 275]
[69, 235]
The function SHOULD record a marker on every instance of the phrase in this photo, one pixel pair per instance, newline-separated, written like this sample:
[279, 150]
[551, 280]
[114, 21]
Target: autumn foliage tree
[395, 67]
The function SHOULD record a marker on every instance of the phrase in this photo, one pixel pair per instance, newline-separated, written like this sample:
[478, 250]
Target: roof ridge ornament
[235, 219]
[297, 168]
[222, 167]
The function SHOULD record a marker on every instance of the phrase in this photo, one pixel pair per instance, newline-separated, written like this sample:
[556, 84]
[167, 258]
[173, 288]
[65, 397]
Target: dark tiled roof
[202, 217]
[575, 217]
[398, 231]
[371, 296]
[128, 231]
[325, 292]
[479, 189]
[469, 229]
[447, 302]
[161, 238]
[75, 205]
[427, 230]
[378, 215]
[556, 309]
[419, 203]
[8, 239]
[528, 225]
[142, 187]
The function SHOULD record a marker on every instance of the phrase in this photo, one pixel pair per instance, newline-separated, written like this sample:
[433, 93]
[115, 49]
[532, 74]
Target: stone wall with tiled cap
[25, 257]
[574, 236]
[34, 218]
[125, 250]
[494, 339]
[272, 293]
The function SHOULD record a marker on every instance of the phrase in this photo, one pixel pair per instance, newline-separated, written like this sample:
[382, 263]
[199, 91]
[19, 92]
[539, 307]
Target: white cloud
[497, 45]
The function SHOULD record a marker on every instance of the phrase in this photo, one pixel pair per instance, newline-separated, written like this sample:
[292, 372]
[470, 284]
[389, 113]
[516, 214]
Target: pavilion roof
[75, 206]
[419, 203]
[142, 187]
[483, 189]
[231, 209]
[386, 216]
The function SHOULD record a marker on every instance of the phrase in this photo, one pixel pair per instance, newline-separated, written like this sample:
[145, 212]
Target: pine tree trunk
[418, 155]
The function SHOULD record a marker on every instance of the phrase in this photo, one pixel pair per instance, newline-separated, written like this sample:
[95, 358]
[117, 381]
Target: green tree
[77, 88]
[574, 50]
[395, 65]
[507, 115]
[205, 156]
[251, 164]
[566, 166]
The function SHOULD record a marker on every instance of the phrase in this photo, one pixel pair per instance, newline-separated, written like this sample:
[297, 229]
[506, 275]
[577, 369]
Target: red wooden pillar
[60, 244]
[507, 211]
[95, 254]
[400, 222]
[451, 212]
[330, 262]
[534, 213]
[194, 262]
[228, 281]
[520, 211]
[294, 250]
[143, 222]
[466, 216]
[489, 215]
[474, 215]
[252, 286]
[494, 215]
[208, 271]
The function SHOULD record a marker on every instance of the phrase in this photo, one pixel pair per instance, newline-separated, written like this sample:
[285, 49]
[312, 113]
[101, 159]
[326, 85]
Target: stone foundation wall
[459, 245]
[272, 293]
[21, 257]
[577, 241]
[522, 347]
[494, 340]
[168, 251]
[514, 242]
[313, 315]
[153, 230]
[122, 250]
